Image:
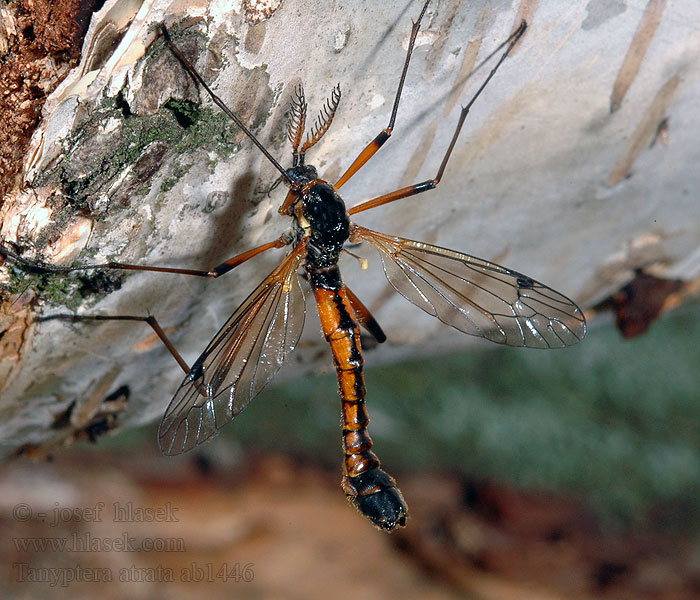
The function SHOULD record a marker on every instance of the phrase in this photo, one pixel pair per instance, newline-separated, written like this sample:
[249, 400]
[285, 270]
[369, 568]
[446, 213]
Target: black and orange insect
[473, 295]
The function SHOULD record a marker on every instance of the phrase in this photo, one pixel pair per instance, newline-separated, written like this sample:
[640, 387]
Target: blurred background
[528, 474]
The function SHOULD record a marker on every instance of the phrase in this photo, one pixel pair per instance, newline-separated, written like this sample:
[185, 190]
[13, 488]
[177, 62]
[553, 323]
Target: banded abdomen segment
[370, 490]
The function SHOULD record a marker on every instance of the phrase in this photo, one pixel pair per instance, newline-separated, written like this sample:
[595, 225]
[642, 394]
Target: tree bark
[577, 165]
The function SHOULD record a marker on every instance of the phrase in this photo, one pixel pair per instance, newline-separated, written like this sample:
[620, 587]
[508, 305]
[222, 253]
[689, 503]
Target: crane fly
[470, 294]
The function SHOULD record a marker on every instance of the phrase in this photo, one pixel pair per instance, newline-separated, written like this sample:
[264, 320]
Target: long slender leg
[220, 103]
[151, 321]
[385, 134]
[364, 317]
[429, 184]
[224, 267]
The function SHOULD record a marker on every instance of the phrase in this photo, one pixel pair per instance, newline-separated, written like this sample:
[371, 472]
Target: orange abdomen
[372, 491]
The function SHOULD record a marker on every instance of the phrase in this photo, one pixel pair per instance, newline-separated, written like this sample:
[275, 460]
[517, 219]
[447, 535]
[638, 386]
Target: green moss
[70, 290]
[111, 139]
[56, 289]
[185, 112]
[113, 144]
[185, 127]
[213, 131]
[177, 172]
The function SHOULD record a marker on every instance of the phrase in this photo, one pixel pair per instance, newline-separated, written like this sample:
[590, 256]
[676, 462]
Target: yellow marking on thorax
[301, 219]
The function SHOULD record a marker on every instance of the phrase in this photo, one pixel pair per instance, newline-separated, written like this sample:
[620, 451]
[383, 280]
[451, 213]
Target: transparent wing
[241, 359]
[476, 296]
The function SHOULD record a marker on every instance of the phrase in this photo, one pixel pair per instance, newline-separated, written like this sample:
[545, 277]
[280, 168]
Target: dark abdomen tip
[386, 509]
[375, 495]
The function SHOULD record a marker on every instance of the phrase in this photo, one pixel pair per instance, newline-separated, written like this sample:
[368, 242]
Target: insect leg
[429, 184]
[233, 262]
[371, 148]
[151, 321]
[364, 317]
[224, 267]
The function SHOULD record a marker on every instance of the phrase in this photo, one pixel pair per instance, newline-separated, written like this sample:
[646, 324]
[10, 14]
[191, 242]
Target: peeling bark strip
[39, 42]
[636, 51]
[645, 131]
[15, 337]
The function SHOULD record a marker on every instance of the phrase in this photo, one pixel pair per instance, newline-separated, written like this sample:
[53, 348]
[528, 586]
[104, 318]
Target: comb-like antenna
[297, 122]
[323, 121]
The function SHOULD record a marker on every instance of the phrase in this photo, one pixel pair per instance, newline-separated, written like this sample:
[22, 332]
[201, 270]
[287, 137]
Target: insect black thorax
[329, 224]
[322, 219]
